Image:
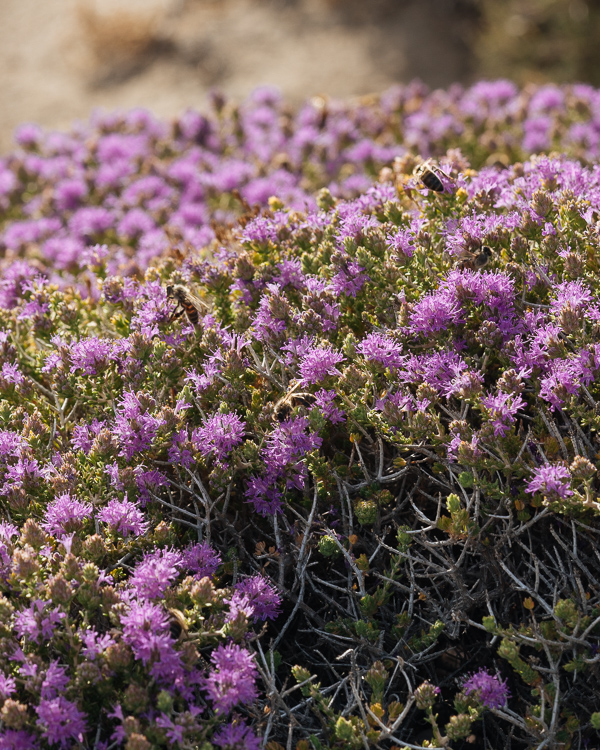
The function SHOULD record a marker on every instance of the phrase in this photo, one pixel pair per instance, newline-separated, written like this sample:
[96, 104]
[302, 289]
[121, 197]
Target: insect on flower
[177, 624]
[187, 303]
[292, 399]
[431, 176]
[477, 261]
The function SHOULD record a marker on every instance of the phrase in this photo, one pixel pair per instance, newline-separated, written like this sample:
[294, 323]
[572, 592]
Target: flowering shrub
[372, 464]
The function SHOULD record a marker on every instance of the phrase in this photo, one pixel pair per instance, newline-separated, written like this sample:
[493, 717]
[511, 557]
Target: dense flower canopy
[369, 451]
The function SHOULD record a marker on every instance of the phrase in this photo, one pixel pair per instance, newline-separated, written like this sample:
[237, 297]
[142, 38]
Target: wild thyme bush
[357, 504]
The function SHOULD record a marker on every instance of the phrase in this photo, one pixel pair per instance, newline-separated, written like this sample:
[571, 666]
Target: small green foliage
[403, 539]
[366, 512]
[328, 547]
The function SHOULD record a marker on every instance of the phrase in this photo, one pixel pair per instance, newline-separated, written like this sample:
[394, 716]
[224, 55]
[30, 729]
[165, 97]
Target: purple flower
[552, 481]
[65, 514]
[319, 362]
[436, 312]
[90, 355]
[261, 595]
[488, 688]
[55, 681]
[350, 279]
[156, 572]
[84, 434]
[173, 731]
[147, 481]
[135, 223]
[146, 629]
[94, 643]
[8, 686]
[28, 134]
[562, 379]
[503, 407]
[232, 681]
[124, 517]
[134, 426]
[219, 435]
[264, 495]
[324, 403]
[537, 133]
[17, 739]
[68, 193]
[10, 443]
[115, 147]
[236, 736]
[36, 623]
[267, 325]
[60, 721]
[90, 221]
[11, 374]
[575, 293]
[179, 452]
[286, 447]
[21, 233]
[8, 530]
[201, 559]
[403, 241]
[376, 347]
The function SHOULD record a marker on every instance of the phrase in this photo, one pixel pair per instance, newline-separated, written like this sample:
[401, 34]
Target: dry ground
[59, 59]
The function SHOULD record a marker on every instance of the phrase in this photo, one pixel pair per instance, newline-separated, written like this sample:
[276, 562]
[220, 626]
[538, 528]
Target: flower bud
[70, 567]
[426, 695]
[238, 627]
[164, 701]
[427, 392]
[570, 318]
[470, 385]
[244, 268]
[574, 265]
[325, 199]
[328, 547]
[59, 589]
[489, 334]
[25, 562]
[94, 547]
[541, 203]
[137, 741]
[33, 534]
[88, 674]
[162, 534]
[468, 454]
[458, 726]
[375, 678]
[510, 382]
[118, 656]
[344, 730]
[104, 444]
[366, 512]
[406, 163]
[582, 468]
[203, 592]
[14, 714]
[518, 245]
[135, 698]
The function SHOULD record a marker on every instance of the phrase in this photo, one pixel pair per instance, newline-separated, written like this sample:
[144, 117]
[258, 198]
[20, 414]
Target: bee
[177, 624]
[292, 399]
[477, 261]
[431, 176]
[187, 303]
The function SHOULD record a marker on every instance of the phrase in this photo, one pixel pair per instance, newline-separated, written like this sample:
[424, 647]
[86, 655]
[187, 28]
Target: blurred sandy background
[59, 59]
